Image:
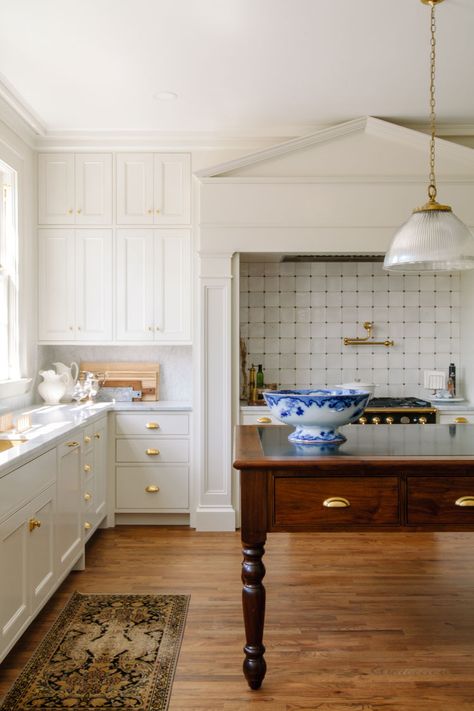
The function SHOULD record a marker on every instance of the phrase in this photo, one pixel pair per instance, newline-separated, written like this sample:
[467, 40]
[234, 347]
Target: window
[9, 348]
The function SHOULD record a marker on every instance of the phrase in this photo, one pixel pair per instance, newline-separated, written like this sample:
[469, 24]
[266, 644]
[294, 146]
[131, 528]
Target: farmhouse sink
[6, 444]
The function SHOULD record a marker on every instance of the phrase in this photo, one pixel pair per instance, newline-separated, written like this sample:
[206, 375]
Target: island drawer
[152, 423]
[152, 450]
[447, 500]
[302, 502]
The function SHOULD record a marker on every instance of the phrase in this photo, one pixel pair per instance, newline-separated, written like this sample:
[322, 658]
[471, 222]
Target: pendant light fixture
[433, 239]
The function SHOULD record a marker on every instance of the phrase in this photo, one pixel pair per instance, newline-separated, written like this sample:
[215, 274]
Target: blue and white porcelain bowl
[316, 414]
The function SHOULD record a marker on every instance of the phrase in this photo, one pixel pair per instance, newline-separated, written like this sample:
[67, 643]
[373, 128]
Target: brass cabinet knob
[87, 468]
[460, 420]
[150, 328]
[71, 328]
[152, 426]
[336, 502]
[465, 501]
[157, 328]
[152, 452]
[97, 435]
[34, 523]
[79, 210]
[87, 439]
[87, 525]
[376, 420]
[157, 211]
[70, 211]
[152, 489]
[264, 420]
[150, 212]
[389, 420]
[362, 420]
[72, 444]
[87, 496]
[422, 420]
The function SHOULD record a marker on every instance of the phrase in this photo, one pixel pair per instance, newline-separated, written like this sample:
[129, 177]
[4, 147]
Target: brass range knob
[375, 420]
[34, 523]
[422, 420]
[362, 420]
[389, 420]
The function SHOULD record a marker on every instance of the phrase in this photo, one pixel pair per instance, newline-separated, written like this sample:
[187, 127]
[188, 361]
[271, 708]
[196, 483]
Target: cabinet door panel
[56, 188]
[135, 188]
[56, 285]
[172, 189]
[100, 469]
[41, 568]
[14, 601]
[93, 188]
[173, 286]
[69, 536]
[134, 285]
[94, 285]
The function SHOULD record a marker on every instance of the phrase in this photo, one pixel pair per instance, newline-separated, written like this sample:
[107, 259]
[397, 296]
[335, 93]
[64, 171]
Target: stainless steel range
[398, 411]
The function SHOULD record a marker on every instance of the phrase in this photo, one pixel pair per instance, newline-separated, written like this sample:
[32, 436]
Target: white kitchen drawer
[259, 419]
[171, 482]
[152, 423]
[152, 450]
[456, 418]
[24, 483]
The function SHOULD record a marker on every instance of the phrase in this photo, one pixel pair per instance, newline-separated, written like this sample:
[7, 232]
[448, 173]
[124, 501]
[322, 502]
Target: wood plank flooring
[355, 622]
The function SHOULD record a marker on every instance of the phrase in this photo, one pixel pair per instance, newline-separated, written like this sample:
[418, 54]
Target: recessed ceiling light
[165, 95]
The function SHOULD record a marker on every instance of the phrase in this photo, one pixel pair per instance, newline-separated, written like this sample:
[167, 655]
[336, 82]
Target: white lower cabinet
[27, 554]
[152, 452]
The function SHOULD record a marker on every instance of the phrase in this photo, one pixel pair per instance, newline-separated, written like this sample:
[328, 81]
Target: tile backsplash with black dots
[294, 317]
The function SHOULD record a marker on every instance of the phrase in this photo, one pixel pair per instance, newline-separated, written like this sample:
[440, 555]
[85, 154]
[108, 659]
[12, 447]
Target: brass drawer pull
[87, 439]
[152, 452]
[87, 525]
[87, 468]
[152, 426]
[465, 501]
[264, 420]
[152, 489]
[72, 444]
[34, 523]
[336, 502]
[97, 435]
[461, 420]
[87, 496]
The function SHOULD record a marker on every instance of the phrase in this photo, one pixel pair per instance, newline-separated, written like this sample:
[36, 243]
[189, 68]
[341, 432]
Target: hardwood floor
[355, 622]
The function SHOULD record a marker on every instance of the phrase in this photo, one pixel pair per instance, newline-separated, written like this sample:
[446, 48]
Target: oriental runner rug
[105, 652]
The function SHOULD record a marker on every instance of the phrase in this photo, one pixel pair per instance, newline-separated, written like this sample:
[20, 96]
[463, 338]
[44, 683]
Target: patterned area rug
[105, 652]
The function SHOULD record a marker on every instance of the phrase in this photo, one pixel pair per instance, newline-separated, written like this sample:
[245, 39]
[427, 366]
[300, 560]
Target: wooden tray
[147, 373]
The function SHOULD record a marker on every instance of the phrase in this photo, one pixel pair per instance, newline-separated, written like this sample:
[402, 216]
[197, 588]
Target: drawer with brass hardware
[151, 423]
[27, 481]
[152, 450]
[259, 418]
[456, 418]
[158, 488]
[440, 500]
[321, 502]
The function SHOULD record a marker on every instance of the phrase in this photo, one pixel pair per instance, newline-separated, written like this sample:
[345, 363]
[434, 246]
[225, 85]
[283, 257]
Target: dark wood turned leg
[253, 602]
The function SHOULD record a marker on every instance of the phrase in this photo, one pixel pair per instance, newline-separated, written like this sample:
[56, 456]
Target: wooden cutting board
[147, 373]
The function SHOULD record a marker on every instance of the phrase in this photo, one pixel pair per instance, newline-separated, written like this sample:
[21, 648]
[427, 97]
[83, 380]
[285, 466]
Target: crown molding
[18, 116]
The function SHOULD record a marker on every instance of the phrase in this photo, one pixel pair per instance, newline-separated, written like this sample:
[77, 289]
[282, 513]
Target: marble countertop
[51, 423]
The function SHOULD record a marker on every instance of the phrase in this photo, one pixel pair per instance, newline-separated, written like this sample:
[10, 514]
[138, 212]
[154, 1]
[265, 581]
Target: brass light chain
[432, 178]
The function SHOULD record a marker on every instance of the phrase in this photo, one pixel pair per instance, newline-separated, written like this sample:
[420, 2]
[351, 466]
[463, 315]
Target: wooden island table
[384, 478]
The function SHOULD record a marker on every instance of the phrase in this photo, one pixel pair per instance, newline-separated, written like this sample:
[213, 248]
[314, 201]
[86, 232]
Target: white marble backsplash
[294, 316]
[175, 362]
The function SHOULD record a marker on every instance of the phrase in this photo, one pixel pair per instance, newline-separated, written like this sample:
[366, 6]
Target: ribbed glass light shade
[431, 241]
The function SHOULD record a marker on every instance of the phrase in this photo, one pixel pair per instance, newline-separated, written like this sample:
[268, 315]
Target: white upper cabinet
[75, 189]
[75, 285]
[153, 285]
[153, 188]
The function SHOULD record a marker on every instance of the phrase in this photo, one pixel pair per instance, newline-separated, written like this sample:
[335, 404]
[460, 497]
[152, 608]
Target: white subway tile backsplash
[294, 317]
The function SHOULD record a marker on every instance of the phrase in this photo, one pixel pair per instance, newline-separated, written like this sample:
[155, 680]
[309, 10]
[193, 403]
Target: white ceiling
[256, 67]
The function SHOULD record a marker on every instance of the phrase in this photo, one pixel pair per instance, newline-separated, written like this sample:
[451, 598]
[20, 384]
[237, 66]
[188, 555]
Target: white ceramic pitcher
[53, 386]
[71, 372]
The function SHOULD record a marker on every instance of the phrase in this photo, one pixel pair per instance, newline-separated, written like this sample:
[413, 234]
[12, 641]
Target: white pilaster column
[213, 379]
